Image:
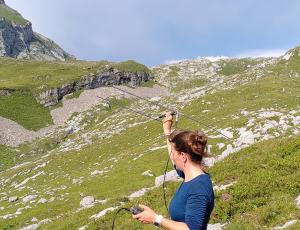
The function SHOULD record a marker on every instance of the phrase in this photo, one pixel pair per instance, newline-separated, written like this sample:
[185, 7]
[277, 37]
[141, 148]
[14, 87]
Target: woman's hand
[167, 122]
[147, 216]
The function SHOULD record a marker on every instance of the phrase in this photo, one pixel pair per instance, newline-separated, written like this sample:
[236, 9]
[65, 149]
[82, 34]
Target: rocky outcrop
[92, 81]
[17, 40]
[14, 39]
[5, 92]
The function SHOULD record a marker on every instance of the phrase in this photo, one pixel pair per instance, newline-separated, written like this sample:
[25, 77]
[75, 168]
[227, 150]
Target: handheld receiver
[136, 210]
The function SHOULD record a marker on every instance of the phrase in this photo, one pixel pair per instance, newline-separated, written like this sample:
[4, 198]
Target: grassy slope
[265, 93]
[268, 182]
[267, 185]
[6, 158]
[128, 145]
[290, 66]
[30, 77]
[234, 66]
[22, 108]
[39, 76]
[11, 15]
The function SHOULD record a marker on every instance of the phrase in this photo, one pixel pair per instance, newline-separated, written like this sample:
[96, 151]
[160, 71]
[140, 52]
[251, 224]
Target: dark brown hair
[194, 143]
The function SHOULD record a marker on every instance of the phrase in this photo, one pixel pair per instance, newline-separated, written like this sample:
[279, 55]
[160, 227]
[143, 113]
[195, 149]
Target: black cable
[135, 111]
[165, 173]
[115, 216]
[163, 185]
[166, 108]
[156, 119]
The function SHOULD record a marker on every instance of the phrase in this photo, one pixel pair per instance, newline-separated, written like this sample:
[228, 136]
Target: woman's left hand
[147, 216]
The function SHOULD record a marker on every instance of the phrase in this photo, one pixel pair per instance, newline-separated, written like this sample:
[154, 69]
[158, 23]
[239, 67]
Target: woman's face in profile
[176, 157]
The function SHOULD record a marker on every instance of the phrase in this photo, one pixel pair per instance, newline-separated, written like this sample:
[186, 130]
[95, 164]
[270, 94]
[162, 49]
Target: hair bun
[198, 143]
[192, 143]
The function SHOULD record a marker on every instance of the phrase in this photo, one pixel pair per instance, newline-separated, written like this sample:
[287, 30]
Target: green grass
[29, 78]
[264, 93]
[189, 84]
[11, 15]
[116, 186]
[21, 107]
[7, 158]
[131, 66]
[234, 66]
[291, 66]
[266, 173]
[267, 185]
[148, 84]
[38, 76]
[76, 94]
[263, 197]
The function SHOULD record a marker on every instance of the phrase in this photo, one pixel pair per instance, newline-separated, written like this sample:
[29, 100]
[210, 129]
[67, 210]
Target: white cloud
[174, 61]
[245, 54]
[261, 53]
[199, 58]
[213, 58]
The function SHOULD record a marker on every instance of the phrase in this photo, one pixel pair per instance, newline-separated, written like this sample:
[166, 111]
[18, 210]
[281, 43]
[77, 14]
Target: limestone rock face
[17, 40]
[14, 39]
[92, 81]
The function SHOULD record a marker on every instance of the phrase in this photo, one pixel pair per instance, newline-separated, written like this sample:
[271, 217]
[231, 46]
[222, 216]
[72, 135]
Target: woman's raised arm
[167, 127]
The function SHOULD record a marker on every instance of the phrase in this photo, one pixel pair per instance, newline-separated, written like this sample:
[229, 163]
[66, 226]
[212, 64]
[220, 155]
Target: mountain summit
[18, 40]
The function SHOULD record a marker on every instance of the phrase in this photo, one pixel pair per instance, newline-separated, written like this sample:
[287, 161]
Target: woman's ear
[184, 157]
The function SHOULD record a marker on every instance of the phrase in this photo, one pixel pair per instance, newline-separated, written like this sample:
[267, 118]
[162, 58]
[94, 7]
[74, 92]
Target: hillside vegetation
[29, 77]
[11, 15]
[110, 148]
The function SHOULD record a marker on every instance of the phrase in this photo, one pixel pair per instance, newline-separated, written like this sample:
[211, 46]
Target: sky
[161, 31]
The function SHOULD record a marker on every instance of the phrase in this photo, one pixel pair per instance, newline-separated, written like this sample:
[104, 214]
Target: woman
[193, 202]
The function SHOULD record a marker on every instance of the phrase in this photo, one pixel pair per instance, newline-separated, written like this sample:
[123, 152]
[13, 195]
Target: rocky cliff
[112, 76]
[17, 39]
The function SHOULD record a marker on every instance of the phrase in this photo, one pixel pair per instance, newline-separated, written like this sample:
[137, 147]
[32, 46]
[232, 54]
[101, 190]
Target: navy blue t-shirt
[193, 202]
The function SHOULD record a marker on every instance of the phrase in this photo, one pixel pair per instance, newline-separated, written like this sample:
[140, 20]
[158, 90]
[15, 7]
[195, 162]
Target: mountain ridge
[18, 40]
[108, 151]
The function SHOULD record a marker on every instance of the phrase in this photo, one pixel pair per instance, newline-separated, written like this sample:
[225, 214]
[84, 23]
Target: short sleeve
[195, 211]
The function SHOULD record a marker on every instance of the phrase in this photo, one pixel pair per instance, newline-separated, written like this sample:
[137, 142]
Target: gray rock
[138, 193]
[148, 173]
[29, 198]
[31, 227]
[87, 201]
[19, 41]
[287, 224]
[298, 201]
[170, 176]
[92, 81]
[13, 199]
[34, 219]
[8, 216]
[217, 226]
[42, 201]
[5, 92]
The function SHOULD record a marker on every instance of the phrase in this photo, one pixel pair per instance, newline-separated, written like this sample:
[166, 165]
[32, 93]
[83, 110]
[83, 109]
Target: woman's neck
[191, 171]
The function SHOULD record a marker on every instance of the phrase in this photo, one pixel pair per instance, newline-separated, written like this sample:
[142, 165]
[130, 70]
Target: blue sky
[154, 32]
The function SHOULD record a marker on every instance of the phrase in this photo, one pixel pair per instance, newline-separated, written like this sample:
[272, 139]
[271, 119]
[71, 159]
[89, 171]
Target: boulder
[29, 198]
[13, 199]
[170, 176]
[87, 201]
